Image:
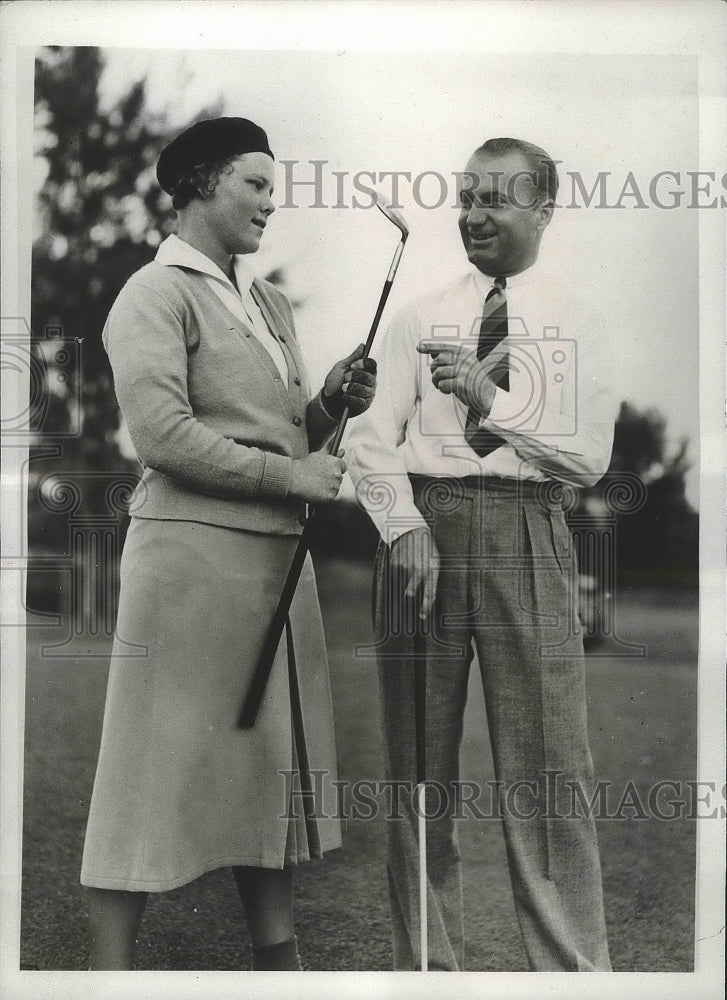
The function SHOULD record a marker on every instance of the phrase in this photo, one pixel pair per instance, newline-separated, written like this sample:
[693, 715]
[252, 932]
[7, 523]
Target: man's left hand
[350, 383]
[455, 369]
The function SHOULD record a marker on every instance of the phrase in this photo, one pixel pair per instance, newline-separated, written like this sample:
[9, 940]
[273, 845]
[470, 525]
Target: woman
[211, 382]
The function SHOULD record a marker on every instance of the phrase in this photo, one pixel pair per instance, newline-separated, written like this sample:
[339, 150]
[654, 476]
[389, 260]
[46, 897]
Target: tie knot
[498, 286]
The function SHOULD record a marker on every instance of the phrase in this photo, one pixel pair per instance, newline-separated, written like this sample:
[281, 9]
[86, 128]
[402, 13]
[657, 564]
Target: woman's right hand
[317, 477]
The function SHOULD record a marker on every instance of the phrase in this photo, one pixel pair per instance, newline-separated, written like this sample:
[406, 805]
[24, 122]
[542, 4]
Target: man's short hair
[542, 166]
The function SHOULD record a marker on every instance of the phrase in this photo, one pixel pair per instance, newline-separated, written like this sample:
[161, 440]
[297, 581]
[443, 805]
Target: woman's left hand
[350, 383]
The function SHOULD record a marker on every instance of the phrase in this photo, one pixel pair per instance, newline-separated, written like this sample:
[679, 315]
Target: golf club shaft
[264, 665]
[420, 695]
[420, 730]
[255, 693]
[422, 829]
[336, 443]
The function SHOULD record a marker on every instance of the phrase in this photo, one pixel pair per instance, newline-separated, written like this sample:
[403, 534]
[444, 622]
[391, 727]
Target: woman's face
[239, 208]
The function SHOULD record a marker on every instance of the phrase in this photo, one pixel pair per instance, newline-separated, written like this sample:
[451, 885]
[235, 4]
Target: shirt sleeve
[559, 411]
[375, 463]
[144, 338]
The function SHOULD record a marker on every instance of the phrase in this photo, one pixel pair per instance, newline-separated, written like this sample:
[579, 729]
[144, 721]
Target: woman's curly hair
[200, 180]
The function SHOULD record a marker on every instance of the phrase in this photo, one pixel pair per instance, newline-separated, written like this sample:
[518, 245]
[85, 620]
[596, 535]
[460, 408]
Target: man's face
[502, 217]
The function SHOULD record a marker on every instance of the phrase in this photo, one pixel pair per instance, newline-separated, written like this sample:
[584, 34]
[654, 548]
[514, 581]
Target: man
[493, 393]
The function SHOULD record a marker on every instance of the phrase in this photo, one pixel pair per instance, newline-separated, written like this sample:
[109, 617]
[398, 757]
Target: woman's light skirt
[179, 788]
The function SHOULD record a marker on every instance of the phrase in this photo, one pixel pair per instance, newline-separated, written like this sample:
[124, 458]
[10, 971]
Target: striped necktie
[493, 329]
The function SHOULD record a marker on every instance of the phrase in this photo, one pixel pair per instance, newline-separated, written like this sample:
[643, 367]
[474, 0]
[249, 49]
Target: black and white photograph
[363, 499]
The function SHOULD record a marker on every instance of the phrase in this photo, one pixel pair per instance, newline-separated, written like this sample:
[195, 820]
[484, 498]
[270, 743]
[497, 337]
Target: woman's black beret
[209, 142]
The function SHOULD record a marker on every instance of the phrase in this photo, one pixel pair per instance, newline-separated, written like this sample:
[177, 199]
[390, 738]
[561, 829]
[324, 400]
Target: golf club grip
[255, 693]
[336, 442]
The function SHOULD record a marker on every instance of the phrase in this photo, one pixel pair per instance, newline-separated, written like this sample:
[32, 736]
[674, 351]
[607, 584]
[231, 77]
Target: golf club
[272, 639]
[420, 717]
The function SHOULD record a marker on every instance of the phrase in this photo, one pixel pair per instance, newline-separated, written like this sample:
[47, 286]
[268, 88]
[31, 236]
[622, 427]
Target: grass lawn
[642, 720]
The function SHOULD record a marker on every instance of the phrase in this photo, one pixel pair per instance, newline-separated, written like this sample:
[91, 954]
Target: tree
[657, 536]
[638, 442]
[100, 217]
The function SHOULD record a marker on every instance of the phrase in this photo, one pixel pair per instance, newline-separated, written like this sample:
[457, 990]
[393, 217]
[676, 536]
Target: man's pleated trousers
[508, 586]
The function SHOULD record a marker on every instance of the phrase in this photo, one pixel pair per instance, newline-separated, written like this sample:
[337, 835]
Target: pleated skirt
[179, 788]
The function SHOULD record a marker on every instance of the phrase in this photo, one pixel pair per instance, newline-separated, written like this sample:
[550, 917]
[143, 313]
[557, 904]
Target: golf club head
[392, 214]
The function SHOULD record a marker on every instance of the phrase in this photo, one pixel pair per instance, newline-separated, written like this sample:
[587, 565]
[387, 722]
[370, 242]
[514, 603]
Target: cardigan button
[297, 421]
[282, 340]
[297, 380]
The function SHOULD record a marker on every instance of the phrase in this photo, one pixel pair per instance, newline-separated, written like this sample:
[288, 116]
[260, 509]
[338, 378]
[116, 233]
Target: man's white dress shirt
[556, 419]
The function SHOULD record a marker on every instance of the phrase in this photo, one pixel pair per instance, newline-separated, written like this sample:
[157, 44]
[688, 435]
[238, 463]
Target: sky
[424, 113]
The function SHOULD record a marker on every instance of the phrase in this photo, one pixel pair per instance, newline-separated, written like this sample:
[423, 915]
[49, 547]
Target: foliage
[657, 536]
[101, 217]
[639, 445]
[659, 542]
